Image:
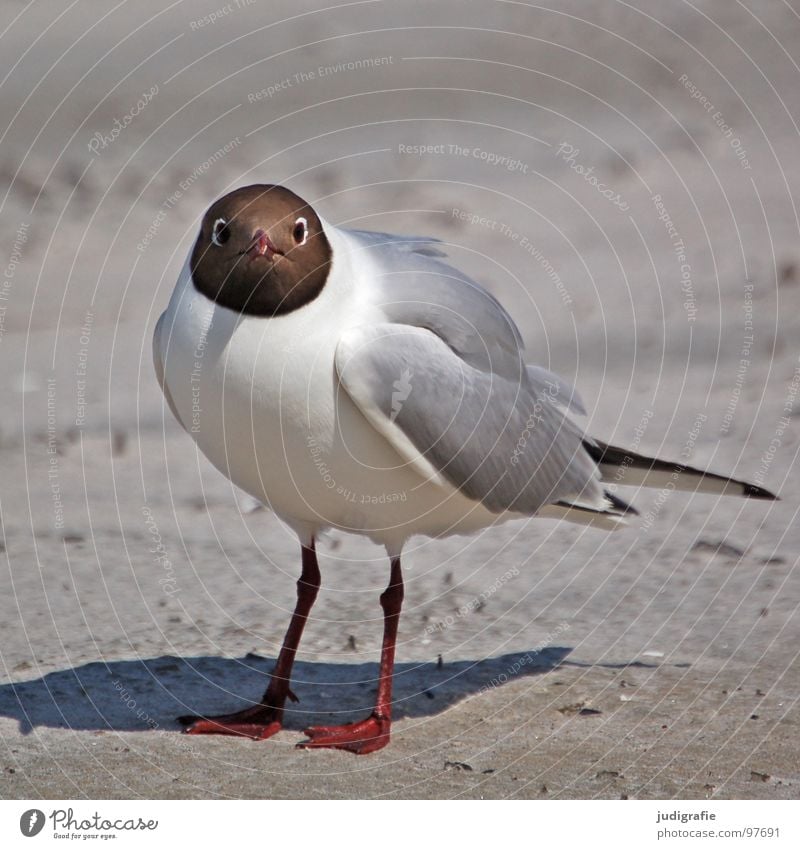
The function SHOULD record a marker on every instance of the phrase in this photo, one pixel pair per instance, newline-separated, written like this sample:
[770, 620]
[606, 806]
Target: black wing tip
[624, 508]
[617, 508]
[602, 453]
[750, 490]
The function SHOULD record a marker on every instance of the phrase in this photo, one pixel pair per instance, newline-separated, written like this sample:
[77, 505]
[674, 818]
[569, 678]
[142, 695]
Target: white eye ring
[301, 222]
[216, 231]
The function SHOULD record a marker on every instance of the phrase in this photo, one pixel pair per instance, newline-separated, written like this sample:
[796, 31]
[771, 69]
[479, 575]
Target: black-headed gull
[353, 380]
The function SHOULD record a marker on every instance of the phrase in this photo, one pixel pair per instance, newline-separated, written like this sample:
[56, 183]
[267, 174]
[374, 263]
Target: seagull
[354, 380]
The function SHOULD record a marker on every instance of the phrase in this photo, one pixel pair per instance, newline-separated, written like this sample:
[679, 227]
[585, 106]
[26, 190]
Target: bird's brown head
[261, 251]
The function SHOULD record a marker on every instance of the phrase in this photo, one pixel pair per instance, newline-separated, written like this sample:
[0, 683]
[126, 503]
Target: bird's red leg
[263, 720]
[372, 733]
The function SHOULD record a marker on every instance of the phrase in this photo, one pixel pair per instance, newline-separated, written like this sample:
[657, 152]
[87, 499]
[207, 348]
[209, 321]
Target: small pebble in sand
[458, 766]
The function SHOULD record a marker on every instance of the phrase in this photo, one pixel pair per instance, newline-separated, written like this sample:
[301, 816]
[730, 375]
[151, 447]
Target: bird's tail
[627, 468]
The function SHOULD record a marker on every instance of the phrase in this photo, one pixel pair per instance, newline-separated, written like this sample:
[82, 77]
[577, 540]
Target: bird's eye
[300, 232]
[220, 233]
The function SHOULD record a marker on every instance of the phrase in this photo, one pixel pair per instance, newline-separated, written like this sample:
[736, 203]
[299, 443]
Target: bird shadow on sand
[136, 695]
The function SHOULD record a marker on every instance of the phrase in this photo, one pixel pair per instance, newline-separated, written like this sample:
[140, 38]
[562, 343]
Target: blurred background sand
[669, 652]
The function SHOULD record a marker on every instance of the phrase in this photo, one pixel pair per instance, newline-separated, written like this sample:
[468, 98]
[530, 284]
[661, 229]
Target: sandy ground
[658, 662]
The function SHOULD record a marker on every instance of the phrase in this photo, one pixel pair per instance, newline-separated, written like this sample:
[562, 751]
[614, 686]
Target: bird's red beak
[262, 246]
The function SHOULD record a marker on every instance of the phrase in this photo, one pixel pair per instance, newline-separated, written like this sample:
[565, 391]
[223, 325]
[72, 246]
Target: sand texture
[623, 179]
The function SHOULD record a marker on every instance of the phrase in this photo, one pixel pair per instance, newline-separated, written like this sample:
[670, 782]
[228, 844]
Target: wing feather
[495, 439]
[412, 286]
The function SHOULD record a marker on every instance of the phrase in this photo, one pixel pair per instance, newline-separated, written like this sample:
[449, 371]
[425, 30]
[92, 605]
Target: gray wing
[423, 245]
[414, 287]
[556, 389]
[495, 439]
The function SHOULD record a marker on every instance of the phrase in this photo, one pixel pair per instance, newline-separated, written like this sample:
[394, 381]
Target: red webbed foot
[361, 738]
[258, 723]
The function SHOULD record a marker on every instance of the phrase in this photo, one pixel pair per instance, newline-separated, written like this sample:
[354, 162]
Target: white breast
[261, 400]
